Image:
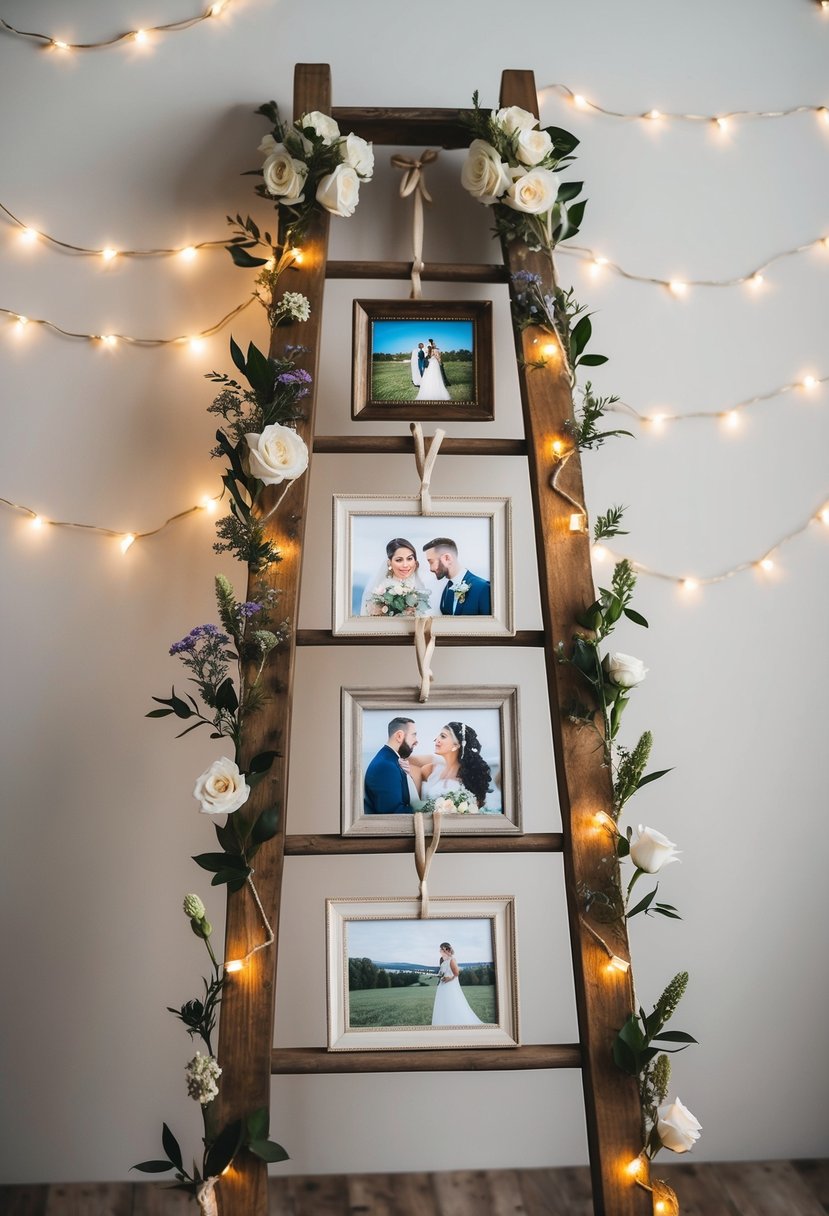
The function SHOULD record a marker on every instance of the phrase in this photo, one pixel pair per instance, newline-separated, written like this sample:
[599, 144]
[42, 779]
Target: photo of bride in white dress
[455, 764]
[451, 1007]
[432, 382]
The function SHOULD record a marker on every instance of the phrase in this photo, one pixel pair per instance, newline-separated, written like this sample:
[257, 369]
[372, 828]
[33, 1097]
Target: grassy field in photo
[412, 1006]
[392, 381]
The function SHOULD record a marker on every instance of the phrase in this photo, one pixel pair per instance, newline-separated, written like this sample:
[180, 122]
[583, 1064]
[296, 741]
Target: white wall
[139, 148]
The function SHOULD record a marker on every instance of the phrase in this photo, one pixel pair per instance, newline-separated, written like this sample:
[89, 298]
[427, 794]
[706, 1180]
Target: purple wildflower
[248, 609]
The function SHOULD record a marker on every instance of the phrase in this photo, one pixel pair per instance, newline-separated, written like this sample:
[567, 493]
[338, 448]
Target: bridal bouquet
[394, 597]
[453, 802]
[511, 167]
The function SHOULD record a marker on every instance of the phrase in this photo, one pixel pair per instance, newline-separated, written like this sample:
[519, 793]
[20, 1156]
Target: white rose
[221, 789]
[534, 192]
[359, 154]
[484, 174]
[650, 850]
[533, 146]
[322, 124]
[624, 670]
[463, 807]
[339, 192]
[513, 118]
[277, 455]
[442, 805]
[678, 1129]
[268, 145]
[284, 176]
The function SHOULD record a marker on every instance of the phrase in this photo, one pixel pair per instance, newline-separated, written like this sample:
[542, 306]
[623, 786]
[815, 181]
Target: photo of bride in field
[422, 361]
[421, 973]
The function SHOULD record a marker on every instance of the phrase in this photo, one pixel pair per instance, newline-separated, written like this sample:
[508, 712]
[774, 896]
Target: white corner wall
[143, 147]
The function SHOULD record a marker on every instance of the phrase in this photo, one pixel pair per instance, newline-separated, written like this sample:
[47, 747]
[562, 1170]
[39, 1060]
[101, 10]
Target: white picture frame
[364, 523]
[492, 711]
[374, 925]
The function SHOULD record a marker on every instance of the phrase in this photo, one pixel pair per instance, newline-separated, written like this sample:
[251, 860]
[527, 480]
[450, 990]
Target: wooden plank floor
[767, 1188]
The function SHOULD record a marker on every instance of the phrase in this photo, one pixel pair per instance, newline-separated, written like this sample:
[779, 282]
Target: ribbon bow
[415, 183]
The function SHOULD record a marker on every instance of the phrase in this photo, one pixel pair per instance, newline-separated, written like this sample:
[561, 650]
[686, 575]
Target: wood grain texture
[287, 1061]
[247, 1013]
[332, 845]
[432, 272]
[603, 1000]
[404, 445]
[405, 127]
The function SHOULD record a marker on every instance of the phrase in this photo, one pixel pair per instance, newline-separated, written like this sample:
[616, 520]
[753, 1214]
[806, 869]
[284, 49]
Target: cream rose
[322, 124]
[268, 145]
[678, 1129]
[359, 154]
[534, 192]
[284, 176]
[650, 850]
[339, 192]
[533, 146]
[624, 670]
[221, 789]
[484, 174]
[277, 455]
[513, 118]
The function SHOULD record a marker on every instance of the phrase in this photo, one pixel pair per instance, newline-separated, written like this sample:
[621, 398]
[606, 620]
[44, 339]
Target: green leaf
[580, 335]
[268, 1150]
[260, 374]
[226, 835]
[227, 877]
[158, 713]
[636, 617]
[563, 142]
[187, 729]
[226, 696]
[223, 1149]
[238, 358]
[153, 1167]
[667, 910]
[674, 1036]
[592, 360]
[644, 903]
[569, 190]
[266, 825]
[257, 1124]
[646, 780]
[229, 481]
[622, 846]
[575, 215]
[170, 1146]
[262, 762]
[242, 258]
[221, 861]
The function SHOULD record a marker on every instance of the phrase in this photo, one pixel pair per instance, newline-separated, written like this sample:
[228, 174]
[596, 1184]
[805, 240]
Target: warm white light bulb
[722, 124]
[767, 564]
[217, 8]
[600, 554]
[37, 522]
[196, 345]
[677, 287]
[809, 382]
[618, 964]
[235, 964]
[22, 322]
[60, 46]
[657, 421]
[824, 113]
[297, 255]
[824, 516]
[109, 340]
[140, 35]
[731, 420]
[108, 254]
[577, 522]
[549, 350]
[756, 281]
[689, 584]
[126, 541]
[579, 101]
[654, 114]
[209, 504]
[634, 1167]
[29, 235]
[187, 254]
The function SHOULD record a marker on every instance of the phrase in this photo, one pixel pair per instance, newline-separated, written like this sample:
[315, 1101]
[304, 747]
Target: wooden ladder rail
[246, 1031]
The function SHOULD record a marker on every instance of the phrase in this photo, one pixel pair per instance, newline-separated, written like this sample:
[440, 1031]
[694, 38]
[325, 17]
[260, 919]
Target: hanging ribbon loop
[424, 855]
[424, 649]
[425, 461]
[414, 183]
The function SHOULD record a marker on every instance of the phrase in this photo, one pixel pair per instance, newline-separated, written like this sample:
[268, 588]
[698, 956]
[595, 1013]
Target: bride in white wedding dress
[432, 387]
[456, 763]
[451, 1007]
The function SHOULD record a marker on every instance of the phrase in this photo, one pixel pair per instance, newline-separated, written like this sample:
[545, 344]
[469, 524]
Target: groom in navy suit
[465, 593]
[386, 790]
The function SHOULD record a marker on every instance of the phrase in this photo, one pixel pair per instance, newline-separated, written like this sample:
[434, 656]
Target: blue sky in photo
[418, 941]
[401, 337]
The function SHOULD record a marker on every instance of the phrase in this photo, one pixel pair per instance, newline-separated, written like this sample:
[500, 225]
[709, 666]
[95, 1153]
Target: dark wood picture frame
[367, 404]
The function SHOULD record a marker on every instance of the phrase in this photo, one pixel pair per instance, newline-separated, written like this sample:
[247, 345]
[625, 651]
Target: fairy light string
[139, 36]
[730, 415]
[112, 339]
[580, 102]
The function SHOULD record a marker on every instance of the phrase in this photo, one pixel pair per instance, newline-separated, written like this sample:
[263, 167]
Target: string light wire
[108, 254]
[728, 414]
[582, 103]
[113, 338]
[136, 35]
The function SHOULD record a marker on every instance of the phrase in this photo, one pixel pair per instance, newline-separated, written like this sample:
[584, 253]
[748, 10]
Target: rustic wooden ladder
[603, 1001]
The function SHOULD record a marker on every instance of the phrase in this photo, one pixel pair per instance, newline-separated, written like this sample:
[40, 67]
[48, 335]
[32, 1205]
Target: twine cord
[414, 183]
[424, 855]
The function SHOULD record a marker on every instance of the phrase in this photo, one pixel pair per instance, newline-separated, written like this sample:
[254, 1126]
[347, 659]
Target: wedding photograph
[397, 980]
[455, 756]
[422, 360]
[392, 564]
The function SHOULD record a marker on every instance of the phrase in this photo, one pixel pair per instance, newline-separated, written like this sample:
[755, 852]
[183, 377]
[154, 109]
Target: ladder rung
[404, 444]
[318, 845]
[324, 637]
[382, 125]
[435, 272]
[292, 1060]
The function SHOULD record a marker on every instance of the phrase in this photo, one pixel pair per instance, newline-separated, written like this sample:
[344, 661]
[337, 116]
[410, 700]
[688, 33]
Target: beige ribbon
[415, 183]
[424, 649]
[425, 461]
[206, 1197]
[423, 856]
